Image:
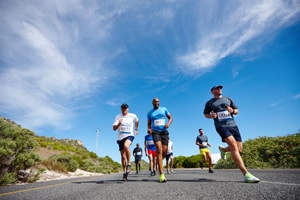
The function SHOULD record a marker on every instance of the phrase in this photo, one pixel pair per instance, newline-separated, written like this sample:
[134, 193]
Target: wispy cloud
[113, 102]
[54, 54]
[228, 28]
[43, 69]
[274, 104]
[296, 96]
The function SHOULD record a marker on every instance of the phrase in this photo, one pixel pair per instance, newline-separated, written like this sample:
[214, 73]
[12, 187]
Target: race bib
[224, 115]
[139, 153]
[150, 142]
[159, 122]
[126, 129]
[204, 143]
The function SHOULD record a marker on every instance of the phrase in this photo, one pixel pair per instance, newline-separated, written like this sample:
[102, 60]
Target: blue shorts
[121, 142]
[225, 132]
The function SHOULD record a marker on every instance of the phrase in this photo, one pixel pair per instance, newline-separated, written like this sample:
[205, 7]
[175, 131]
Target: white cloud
[43, 71]
[274, 104]
[113, 102]
[296, 96]
[55, 53]
[231, 26]
[235, 73]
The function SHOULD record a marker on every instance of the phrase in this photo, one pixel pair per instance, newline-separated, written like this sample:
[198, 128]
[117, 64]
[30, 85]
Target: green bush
[17, 147]
[73, 165]
[93, 155]
[268, 152]
[87, 165]
[259, 153]
[67, 161]
[8, 178]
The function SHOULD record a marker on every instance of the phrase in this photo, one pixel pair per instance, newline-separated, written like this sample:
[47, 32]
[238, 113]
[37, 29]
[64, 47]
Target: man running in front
[221, 110]
[159, 120]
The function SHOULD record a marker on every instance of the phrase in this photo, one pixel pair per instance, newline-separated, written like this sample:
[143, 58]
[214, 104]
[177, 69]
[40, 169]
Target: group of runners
[220, 109]
[150, 152]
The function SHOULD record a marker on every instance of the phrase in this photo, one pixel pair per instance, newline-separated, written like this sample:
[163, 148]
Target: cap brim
[217, 86]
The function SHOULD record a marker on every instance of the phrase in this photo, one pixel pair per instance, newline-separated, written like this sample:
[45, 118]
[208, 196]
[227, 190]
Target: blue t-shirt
[158, 118]
[150, 143]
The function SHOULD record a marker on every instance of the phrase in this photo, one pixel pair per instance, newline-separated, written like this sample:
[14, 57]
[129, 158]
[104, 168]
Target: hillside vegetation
[24, 155]
[259, 153]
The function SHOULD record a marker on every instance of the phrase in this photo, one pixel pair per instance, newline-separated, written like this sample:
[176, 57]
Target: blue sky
[67, 66]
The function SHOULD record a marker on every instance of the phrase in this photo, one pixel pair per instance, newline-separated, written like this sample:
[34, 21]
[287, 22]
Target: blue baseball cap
[216, 86]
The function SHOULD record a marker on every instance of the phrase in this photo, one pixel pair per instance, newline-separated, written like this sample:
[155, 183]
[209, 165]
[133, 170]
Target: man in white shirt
[127, 126]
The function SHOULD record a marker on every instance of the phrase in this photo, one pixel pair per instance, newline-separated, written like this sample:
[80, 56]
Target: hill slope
[24, 155]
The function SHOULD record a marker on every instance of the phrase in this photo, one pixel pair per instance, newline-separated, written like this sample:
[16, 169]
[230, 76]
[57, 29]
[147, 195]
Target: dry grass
[55, 166]
[45, 153]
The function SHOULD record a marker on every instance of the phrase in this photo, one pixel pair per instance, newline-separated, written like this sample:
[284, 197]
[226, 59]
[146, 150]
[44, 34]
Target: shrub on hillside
[66, 160]
[17, 147]
[268, 152]
[53, 165]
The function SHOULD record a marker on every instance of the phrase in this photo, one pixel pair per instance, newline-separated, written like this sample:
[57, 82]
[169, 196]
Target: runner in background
[169, 157]
[150, 151]
[137, 153]
[202, 142]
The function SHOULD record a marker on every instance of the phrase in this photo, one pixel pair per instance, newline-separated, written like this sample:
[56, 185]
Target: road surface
[183, 184]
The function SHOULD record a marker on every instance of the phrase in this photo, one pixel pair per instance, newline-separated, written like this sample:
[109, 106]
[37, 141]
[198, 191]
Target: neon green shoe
[249, 178]
[162, 178]
[226, 154]
[222, 152]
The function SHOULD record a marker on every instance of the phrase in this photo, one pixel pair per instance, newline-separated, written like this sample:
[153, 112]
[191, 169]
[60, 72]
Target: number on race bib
[224, 115]
[159, 122]
[125, 129]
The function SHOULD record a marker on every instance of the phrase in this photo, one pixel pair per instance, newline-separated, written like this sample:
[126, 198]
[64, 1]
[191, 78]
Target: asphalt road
[183, 184]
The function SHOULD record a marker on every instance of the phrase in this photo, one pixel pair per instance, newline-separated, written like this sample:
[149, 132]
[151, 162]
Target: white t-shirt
[170, 147]
[128, 124]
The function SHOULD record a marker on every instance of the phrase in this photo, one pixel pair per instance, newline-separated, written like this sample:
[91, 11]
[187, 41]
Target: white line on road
[280, 183]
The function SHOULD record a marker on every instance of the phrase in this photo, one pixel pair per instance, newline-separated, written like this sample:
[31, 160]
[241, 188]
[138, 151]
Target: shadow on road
[204, 180]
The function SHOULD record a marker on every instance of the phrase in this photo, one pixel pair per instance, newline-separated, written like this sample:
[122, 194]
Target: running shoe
[128, 169]
[226, 154]
[222, 152]
[125, 177]
[168, 172]
[210, 171]
[249, 178]
[172, 171]
[162, 178]
[201, 165]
